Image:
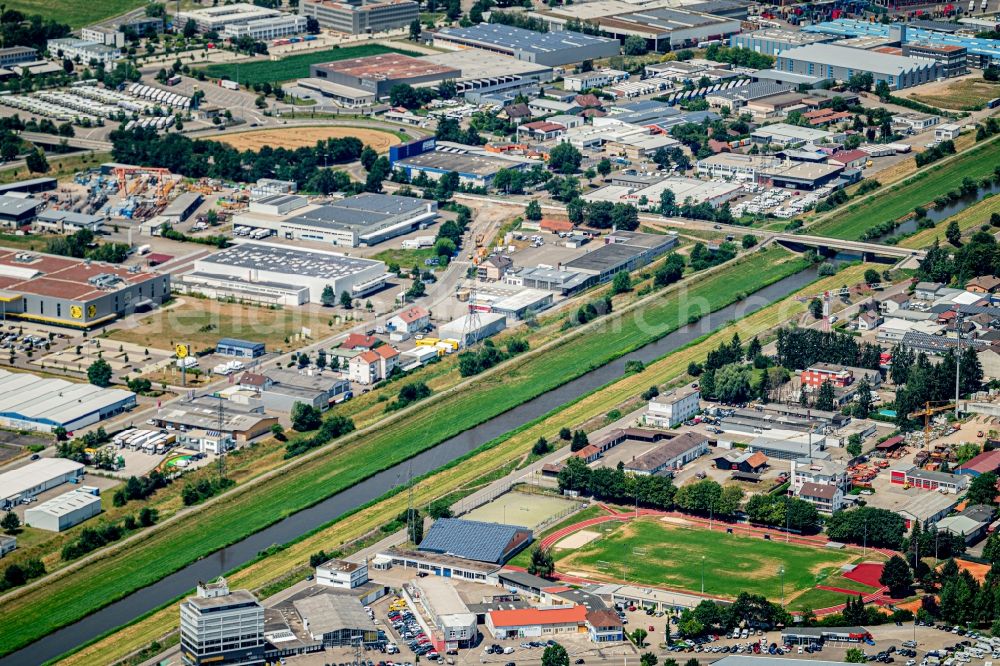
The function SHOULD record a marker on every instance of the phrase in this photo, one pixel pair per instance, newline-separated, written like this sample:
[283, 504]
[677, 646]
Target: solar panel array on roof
[474, 540]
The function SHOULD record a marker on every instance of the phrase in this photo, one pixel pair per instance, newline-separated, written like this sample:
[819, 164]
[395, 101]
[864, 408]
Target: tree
[864, 397]
[36, 161]
[854, 445]
[565, 434]
[748, 241]
[414, 525]
[882, 90]
[634, 46]
[579, 441]
[345, 300]
[414, 30]
[368, 157]
[896, 576]
[816, 308]
[439, 508]
[555, 655]
[278, 432]
[541, 447]
[329, 297]
[622, 283]
[983, 489]
[565, 159]
[953, 233]
[855, 656]
[648, 658]
[533, 211]
[405, 96]
[542, 563]
[10, 523]
[826, 397]
[872, 276]
[604, 167]
[639, 637]
[305, 417]
[190, 29]
[99, 373]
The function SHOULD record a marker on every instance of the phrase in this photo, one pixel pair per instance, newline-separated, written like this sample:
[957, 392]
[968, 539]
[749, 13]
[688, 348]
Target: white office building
[595, 79]
[266, 29]
[222, 627]
[83, 51]
[222, 17]
[671, 409]
[63, 512]
[342, 574]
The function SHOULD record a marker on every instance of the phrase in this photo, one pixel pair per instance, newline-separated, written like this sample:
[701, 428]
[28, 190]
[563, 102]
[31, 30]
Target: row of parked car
[409, 630]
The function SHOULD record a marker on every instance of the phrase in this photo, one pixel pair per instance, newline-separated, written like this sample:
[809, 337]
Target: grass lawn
[406, 258]
[523, 559]
[76, 14]
[969, 219]
[467, 471]
[60, 167]
[178, 543]
[29, 242]
[655, 553]
[850, 221]
[815, 599]
[968, 94]
[292, 67]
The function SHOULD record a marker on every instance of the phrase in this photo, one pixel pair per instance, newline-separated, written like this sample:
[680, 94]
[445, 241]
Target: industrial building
[772, 41]
[63, 512]
[473, 168]
[17, 212]
[220, 17]
[8, 544]
[15, 55]
[952, 58]
[338, 620]
[473, 540]
[36, 477]
[786, 135]
[713, 193]
[471, 328]
[86, 51]
[669, 410]
[361, 220]
[280, 389]
[669, 28]
[342, 574]
[485, 73]
[201, 421]
[267, 272]
[41, 404]
[736, 166]
[74, 292]
[841, 63]
[446, 609]
[221, 627]
[553, 49]
[622, 251]
[55, 221]
[522, 304]
[377, 74]
[669, 456]
[239, 348]
[357, 17]
[803, 175]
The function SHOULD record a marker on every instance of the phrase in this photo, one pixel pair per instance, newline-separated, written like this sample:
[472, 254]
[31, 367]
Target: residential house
[604, 626]
[516, 113]
[411, 320]
[742, 461]
[548, 107]
[869, 320]
[927, 291]
[359, 341]
[984, 284]
[890, 304]
[373, 365]
[540, 130]
[494, 267]
[818, 472]
[826, 499]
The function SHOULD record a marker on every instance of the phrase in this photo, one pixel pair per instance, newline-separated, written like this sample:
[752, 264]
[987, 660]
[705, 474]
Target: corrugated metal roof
[470, 539]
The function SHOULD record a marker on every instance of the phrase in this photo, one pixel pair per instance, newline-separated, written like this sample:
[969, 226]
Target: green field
[655, 553]
[70, 597]
[815, 599]
[896, 201]
[292, 67]
[76, 14]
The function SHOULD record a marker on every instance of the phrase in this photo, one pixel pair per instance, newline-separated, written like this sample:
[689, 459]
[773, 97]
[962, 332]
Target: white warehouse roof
[53, 402]
[65, 503]
[857, 59]
[20, 480]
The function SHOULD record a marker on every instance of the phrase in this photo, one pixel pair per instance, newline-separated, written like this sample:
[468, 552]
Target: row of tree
[92, 538]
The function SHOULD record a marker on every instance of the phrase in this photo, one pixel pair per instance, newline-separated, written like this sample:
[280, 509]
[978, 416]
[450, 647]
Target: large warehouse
[622, 251]
[36, 477]
[30, 402]
[63, 512]
[544, 48]
[362, 220]
[486, 73]
[377, 74]
[252, 268]
[473, 167]
[72, 292]
[772, 41]
[842, 62]
[666, 28]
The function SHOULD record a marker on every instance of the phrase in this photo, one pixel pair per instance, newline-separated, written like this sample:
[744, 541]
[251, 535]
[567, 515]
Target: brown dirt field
[300, 137]
[977, 570]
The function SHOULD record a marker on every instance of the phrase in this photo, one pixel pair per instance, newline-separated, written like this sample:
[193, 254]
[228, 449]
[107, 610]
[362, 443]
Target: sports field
[656, 553]
[523, 509]
[292, 67]
[76, 14]
[301, 137]
[896, 201]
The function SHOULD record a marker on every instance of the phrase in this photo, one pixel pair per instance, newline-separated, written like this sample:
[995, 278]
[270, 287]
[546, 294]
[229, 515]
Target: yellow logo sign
[181, 351]
[91, 311]
[76, 312]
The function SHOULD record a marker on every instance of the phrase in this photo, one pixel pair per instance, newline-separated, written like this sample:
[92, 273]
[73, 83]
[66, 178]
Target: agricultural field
[853, 219]
[393, 440]
[468, 470]
[201, 322]
[666, 555]
[292, 67]
[302, 137]
[76, 14]
[966, 94]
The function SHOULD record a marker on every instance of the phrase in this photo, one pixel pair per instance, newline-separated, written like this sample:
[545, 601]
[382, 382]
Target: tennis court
[523, 509]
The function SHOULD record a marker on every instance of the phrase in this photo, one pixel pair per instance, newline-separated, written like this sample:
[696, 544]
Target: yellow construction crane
[927, 412]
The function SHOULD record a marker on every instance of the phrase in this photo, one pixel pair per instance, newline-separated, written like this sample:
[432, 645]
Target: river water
[937, 215]
[226, 559]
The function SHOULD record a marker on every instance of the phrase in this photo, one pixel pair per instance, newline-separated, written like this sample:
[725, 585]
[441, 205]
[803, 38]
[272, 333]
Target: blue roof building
[239, 348]
[474, 540]
[553, 49]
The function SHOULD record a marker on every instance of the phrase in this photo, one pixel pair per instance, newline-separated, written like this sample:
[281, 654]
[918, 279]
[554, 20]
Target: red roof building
[359, 341]
[987, 461]
[536, 621]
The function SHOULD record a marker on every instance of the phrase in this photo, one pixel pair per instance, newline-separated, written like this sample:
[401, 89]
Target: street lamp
[782, 572]
[703, 574]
